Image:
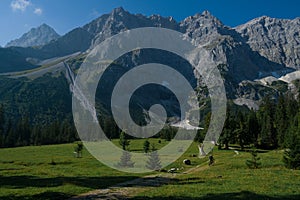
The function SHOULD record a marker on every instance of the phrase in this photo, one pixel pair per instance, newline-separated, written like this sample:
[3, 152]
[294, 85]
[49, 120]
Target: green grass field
[229, 178]
[27, 173]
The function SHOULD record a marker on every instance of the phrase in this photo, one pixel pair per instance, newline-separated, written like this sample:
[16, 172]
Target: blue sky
[18, 16]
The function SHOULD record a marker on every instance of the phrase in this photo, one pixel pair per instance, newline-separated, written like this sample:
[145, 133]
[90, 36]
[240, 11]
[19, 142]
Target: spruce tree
[291, 156]
[125, 160]
[227, 133]
[123, 141]
[146, 146]
[253, 127]
[254, 162]
[78, 149]
[281, 121]
[240, 131]
[153, 162]
[267, 137]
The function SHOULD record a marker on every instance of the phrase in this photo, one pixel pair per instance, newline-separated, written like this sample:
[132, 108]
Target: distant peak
[207, 16]
[206, 13]
[44, 25]
[36, 36]
[118, 10]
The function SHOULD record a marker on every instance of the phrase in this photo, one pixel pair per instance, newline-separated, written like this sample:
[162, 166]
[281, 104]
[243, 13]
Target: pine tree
[267, 137]
[253, 127]
[153, 162]
[123, 141]
[125, 160]
[227, 133]
[146, 146]
[78, 149]
[240, 131]
[291, 156]
[281, 122]
[254, 162]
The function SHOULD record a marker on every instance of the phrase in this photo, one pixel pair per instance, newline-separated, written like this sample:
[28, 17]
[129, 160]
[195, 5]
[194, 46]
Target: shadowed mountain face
[260, 48]
[12, 61]
[35, 37]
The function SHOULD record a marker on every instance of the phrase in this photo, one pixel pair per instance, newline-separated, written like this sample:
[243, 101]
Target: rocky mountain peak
[118, 10]
[276, 39]
[121, 20]
[38, 36]
[207, 14]
[203, 27]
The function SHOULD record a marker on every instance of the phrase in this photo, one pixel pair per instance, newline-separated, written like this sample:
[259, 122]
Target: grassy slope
[229, 178]
[25, 173]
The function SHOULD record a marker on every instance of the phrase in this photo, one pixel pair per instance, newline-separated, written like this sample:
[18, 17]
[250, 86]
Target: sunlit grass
[230, 178]
[53, 172]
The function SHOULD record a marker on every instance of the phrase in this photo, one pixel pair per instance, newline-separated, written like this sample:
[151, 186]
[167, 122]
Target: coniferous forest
[274, 125]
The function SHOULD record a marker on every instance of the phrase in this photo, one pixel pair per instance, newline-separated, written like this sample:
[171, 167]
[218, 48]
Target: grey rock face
[120, 20]
[276, 39]
[35, 37]
[227, 47]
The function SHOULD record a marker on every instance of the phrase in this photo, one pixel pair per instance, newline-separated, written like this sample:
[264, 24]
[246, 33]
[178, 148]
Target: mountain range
[259, 58]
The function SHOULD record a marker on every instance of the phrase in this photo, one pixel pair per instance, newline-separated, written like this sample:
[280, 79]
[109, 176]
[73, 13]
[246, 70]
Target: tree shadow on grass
[230, 196]
[24, 182]
[41, 196]
[15, 182]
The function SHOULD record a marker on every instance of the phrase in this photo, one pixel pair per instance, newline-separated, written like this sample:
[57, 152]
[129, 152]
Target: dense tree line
[275, 125]
[270, 127]
[22, 133]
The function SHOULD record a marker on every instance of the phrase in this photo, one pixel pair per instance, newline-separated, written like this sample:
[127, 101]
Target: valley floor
[52, 172]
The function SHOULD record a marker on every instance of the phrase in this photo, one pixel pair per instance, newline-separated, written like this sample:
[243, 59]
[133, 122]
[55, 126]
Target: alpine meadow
[142, 106]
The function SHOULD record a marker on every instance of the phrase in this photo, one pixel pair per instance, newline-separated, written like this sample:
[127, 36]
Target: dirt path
[128, 189]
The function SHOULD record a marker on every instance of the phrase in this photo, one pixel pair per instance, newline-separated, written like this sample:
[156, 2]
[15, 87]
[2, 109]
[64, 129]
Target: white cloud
[38, 11]
[19, 5]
